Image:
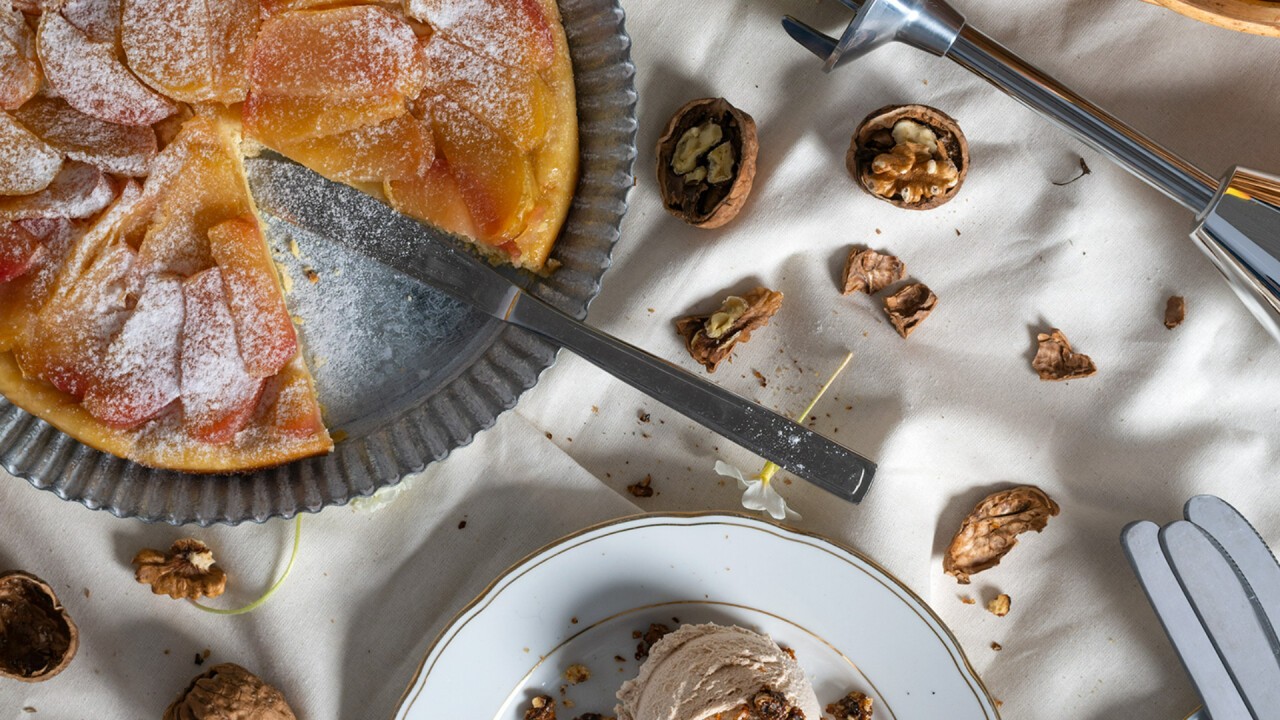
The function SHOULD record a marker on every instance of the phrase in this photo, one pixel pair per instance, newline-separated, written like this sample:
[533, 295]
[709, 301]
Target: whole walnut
[229, 692]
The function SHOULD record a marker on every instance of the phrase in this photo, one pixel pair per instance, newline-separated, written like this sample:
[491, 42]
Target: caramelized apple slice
[207, 190]
[117, 149]
[293, 410]
[27, 164]
[79, 190]
[22, 297]
[494, 177]
[263, 325]
[90, 77]
[191, 50]
[511, 100]
[20, 250]
[218, 394]
[397, 149]
[276, 120]
[140, 372]
[19, 70]
[71, 334]
[343, 53]
[99, 20]
[433, 197]
[516, 33]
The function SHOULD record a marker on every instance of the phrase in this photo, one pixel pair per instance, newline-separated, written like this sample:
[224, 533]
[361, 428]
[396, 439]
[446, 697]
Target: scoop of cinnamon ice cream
[700, 671]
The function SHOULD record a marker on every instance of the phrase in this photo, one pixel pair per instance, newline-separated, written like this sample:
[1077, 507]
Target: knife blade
[1238, 632]
[1199, 658]
[347, 216]
[1245, 547]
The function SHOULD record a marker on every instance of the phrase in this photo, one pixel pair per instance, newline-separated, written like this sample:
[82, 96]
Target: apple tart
[141, 311]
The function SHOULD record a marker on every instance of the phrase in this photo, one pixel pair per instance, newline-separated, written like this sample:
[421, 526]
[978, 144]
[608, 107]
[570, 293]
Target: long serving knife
[347, 216]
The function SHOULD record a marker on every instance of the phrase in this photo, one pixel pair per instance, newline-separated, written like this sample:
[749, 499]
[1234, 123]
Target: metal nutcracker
[1237, 221]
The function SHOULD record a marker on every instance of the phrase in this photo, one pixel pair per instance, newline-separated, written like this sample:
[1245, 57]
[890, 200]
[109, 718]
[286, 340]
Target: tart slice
[164, 337]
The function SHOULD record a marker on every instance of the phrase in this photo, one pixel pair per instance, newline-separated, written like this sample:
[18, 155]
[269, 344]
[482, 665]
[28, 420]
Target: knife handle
[792, 446]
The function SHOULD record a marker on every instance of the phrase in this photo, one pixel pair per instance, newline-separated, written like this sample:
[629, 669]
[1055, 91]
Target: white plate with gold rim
[850, 623]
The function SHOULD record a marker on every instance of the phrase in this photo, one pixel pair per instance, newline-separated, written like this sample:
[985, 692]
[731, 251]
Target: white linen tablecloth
[950, 414]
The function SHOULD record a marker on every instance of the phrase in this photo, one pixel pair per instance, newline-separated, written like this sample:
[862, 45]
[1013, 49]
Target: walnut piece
[870, 272]
[541, 707]
[1055, 360]
[229, 692]
[912, 156]
[854, 706]
[577, 674]
[187, 571]
[649, 638]
[992, 528]
[37, 637]
[711, 338]
[999, 605]
[1175, 311]
[908, 307]
[707, 162]
[642, 489]
[767, 704]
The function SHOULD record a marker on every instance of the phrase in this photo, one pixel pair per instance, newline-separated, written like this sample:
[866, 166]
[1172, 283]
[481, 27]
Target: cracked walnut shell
[870, 272]
[908, 307]
[1055, 360]
[711, 338]
[37, 637]
[229, 692]
[187, 571]
[707, 162]
[912, 156]
[991, 530]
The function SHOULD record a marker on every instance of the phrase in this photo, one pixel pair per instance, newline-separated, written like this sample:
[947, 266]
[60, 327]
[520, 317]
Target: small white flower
[759, 495]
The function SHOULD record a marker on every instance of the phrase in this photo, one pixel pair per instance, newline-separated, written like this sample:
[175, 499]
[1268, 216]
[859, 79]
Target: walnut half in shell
[912, 156]
[711, 338]
[992, 529]
[707, 162]
[37, 637]
[229, 692]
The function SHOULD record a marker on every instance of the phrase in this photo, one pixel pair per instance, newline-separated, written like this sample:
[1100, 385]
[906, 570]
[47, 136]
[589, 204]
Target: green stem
[297, 539]
[770, 468]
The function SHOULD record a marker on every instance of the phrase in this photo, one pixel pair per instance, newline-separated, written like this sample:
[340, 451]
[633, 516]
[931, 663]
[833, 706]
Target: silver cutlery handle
[1160, 168]
[792, 446]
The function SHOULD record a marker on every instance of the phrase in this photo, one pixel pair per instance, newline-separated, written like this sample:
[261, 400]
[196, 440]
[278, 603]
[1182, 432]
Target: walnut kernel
[707, 162]
[1055, 360]
[870, 272]
[912, 156]
[187, 571]
[999, 605]
[229, 692]
[991, 530]
[577, 673]
[908, 307]
[711, 338]
[541, 707]
[37, 637]
[854, 706]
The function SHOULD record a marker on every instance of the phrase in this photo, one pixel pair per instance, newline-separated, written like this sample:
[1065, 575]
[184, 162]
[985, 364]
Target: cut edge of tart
[153, 327]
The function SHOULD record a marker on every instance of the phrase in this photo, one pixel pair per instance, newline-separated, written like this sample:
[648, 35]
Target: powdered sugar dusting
[141, 368]
[118, 149]
[509, 99]
[90, 77]
[347, 52]
[218, 394]
[27, 163]
[513, 32]
[98, 19]
[19, 71]
[19, 251]
[191, 50]
[79, 191]
[263, 325]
